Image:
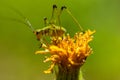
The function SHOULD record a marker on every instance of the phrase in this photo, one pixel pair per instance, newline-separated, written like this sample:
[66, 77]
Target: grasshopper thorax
[51, 31]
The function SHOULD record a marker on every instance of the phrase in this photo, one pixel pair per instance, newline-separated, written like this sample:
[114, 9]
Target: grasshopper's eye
[37, 33]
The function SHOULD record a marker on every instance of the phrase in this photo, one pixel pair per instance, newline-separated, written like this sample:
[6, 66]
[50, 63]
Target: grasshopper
[54, 30]
[51, 29]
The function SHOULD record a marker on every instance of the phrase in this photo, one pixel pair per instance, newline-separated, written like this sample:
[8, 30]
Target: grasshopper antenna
[27, 22]
[75, 20]
[12, 19]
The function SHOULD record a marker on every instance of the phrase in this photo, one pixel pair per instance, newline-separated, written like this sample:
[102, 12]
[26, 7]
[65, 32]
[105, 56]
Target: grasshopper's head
[38, 34]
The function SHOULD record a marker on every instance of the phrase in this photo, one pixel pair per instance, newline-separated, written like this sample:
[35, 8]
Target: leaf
[81, 76]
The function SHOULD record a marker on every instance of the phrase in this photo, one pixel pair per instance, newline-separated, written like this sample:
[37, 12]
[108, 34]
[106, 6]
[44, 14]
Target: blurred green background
[18, 43]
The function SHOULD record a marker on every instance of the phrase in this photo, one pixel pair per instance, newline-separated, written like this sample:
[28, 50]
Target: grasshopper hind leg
[61, 10]
[74, 19]
[53, 21]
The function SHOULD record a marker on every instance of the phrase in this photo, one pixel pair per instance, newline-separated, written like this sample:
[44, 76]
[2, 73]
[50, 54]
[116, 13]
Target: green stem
[68, 73]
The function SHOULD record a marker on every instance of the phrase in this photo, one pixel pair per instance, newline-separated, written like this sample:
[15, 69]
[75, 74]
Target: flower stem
[68, 73]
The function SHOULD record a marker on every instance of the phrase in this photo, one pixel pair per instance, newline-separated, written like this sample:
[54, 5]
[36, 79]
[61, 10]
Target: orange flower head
[69, 52]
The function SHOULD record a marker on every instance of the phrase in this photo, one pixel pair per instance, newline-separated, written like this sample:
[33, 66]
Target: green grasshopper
[51, 29]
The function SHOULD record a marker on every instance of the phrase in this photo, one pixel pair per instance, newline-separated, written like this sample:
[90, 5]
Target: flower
[67, 52]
